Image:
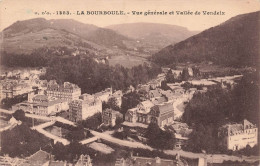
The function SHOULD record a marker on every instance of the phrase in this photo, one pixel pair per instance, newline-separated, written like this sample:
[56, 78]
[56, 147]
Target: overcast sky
[14, 10]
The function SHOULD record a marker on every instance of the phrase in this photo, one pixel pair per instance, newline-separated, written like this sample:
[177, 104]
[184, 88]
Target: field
[126, 61]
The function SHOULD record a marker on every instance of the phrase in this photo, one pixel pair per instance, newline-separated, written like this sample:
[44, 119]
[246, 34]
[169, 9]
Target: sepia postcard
[129, 82]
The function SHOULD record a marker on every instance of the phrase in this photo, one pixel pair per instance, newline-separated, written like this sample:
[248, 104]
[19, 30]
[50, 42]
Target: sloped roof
[163, 108]
[147, 103]
[152, 161]
[40, 97]
[158, 100]
[155, 93]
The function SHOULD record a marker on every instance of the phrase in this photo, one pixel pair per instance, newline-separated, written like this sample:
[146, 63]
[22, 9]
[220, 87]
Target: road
[40, 129]
[59, 119]
[215, 158]
[119, 141]
[89, 140]
[7, 127]
[212, 158]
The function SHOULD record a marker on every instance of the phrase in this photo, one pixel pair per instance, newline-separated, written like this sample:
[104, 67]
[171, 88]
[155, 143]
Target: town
[129, 83]
[66, 116]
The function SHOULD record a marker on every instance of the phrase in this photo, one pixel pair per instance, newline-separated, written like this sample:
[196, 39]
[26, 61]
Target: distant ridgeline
[233, 43]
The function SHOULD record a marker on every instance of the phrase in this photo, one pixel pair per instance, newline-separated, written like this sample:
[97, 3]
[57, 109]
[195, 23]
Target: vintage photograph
[129, 83]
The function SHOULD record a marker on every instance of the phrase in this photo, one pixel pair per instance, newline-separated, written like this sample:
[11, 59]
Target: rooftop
[163, 108]
[136, 124]
[239, 127]
[52, 85]
[152, 161]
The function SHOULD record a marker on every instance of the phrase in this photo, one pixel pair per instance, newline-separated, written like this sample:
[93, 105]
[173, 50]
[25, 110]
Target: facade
[12, 88]
[162, 114]
[104, 95]
[155, 83]
[176, 73]
[238, 136]
[154, 93]
[42, 105]
[67, 91]
[145, 161]
[84, 107]
[43, 158]
[181, 132]
[109, 117]
[140, 114]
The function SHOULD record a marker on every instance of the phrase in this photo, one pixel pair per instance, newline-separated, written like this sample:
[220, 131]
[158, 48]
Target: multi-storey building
[109, 117]
[42, 105]
[104, 95]
[140, 114]
[84, 107]
[238, 136]
[162, 114]
[12, 88]
[67, 91]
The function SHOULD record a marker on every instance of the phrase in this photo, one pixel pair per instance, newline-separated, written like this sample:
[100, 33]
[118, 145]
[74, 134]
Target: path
[119, 141]
[215, 158]
[58, 118]
[40, 129]
[89, 140]
[10, 126]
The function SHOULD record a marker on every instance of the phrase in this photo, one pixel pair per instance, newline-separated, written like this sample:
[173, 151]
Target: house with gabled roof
[162, 114]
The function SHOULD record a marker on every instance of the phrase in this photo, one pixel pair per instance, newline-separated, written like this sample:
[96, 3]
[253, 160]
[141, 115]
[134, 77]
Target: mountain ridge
[156, 33]
[86, 31]
[235, 42]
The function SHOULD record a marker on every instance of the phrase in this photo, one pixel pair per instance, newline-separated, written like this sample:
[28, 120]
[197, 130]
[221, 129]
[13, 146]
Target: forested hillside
[234, 43]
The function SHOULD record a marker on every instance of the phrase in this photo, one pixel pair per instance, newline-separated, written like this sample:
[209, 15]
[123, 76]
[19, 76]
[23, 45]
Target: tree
[210, 110]
[185, 74]
[158, 138]
[119, 120]
[60, 151]
[76, 134]
[196, 71]
[170, 77]
[22, 141]
[164, 86]
[129, 100]
[111, 103]
[92, 122]
[208, 143]
[19, 115]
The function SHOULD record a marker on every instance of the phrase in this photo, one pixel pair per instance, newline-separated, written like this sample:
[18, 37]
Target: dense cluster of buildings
[52, 98]
[157, 106]
[12, 88]
[43, 158]
[20, 82]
